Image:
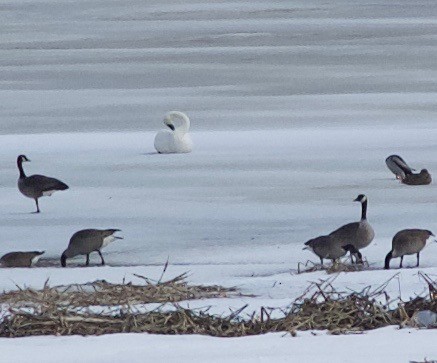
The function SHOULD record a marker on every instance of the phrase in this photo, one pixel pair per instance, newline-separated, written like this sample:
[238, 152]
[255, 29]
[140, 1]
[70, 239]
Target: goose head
[361, 198]
[430, 235]
[22, 158]
[309, 245]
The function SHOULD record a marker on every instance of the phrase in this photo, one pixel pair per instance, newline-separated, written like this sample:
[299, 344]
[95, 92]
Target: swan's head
[182, 124]
[168, 121]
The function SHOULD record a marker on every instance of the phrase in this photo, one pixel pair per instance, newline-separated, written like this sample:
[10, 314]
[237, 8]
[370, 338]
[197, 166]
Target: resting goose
[20, 259]
[422, 178]
[86, 241]
[36, 186]
[407, 242]
[358, 234]
[177, 139]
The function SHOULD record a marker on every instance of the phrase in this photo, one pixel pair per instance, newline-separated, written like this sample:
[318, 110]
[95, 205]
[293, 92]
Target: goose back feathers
[327, 247]
[407, 242]
[88, 240]
[422, 178]
[20, 259]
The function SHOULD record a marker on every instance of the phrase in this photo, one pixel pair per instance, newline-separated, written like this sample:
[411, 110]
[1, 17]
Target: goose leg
[358, 257]
[37, 205]
[87, 263]
[418, 258]
[103, 261]
[321, 261]
[402, 258]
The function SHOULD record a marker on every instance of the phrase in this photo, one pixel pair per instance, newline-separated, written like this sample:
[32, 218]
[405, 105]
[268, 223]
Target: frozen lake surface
[294, 108]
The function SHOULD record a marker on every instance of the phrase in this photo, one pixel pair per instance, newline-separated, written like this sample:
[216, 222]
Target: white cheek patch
[48, 193]
[35, 260]
[429, 240]
[108, 240]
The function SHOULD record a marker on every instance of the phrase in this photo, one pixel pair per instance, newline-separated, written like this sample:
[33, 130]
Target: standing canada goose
[327, 247]
[36, 186]
[177, 139]
[398, 166]
[422, 178]
[358, 234]
[86, 241]
[20, 259]
[407, 242]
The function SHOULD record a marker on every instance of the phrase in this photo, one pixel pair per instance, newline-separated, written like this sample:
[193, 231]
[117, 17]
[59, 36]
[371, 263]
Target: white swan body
[177, 139]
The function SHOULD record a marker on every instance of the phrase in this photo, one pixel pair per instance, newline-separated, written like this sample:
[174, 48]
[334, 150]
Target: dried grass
[310, 266]
[104, 293]
[51, 312]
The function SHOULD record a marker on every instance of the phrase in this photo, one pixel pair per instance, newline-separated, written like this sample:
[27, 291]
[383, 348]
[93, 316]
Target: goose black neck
[387, 260]
[364, 210]
[20, 167]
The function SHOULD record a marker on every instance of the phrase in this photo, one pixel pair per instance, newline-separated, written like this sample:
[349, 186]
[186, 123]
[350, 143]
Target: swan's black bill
[171, 127]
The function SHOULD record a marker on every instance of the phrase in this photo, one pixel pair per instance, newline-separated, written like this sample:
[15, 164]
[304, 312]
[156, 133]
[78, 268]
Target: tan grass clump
[104, 293]
[310, 266]
[321, 307]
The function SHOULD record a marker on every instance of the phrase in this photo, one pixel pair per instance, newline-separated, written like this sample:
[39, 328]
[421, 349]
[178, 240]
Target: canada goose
[177, 139]
[358, 234]
[326, 247]
[36, 186]
[398, 166]
[86, 241]
[407, 242]
[20, 259]
[422, 178]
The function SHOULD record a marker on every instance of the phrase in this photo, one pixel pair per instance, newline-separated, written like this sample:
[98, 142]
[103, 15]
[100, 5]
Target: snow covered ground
[294, 107]
[405, 345]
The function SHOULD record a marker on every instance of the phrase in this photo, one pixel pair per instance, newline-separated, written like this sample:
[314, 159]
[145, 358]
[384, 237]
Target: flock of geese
[351, 237]
[175, 139]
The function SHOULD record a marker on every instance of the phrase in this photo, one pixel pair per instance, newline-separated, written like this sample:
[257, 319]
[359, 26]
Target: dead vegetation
[310, 266]
[68, 310]
[104, 293]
